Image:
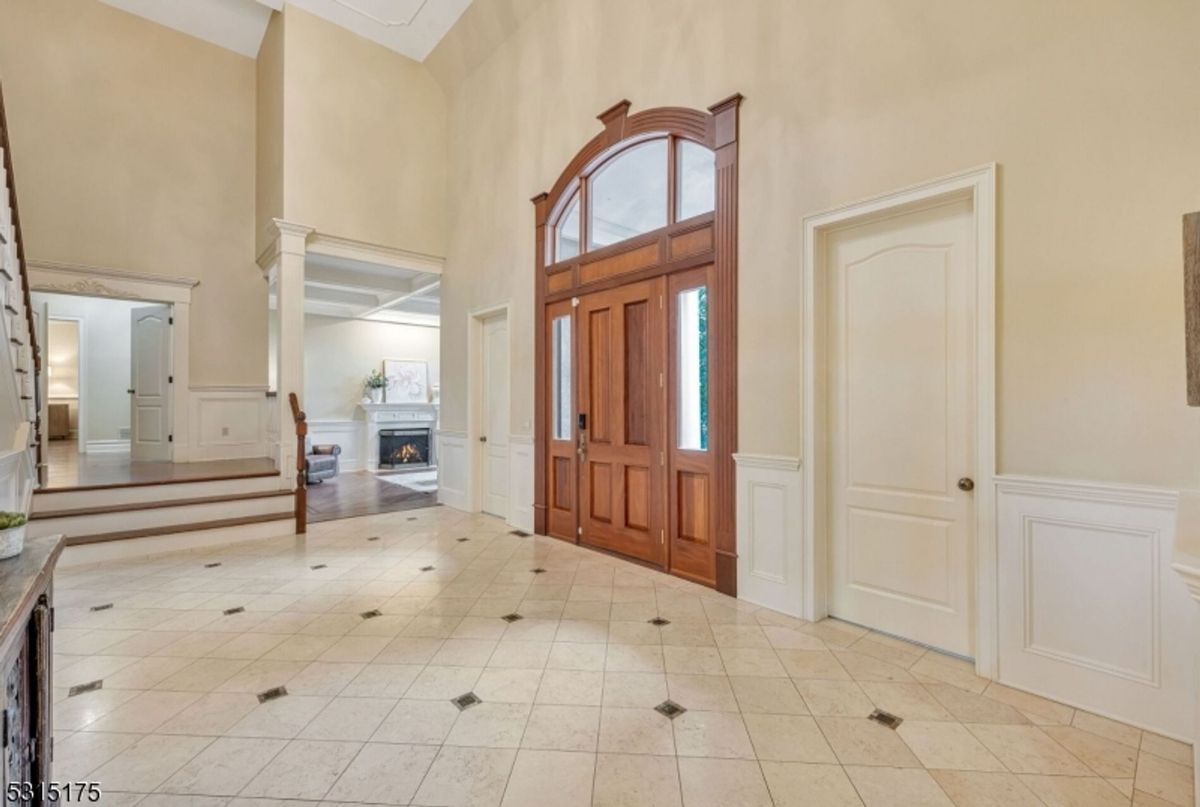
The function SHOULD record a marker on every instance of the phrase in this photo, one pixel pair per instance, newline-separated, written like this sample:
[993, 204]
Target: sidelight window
[561, 377]
[693, 368]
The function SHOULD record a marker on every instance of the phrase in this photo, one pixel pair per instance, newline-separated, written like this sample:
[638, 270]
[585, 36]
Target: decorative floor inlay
[271, 694]
[103, 607]
[462, 540]
[519, 533]
[318, 566]
[212, 565]
[427, 568]
[560, 705]
[885, 719]
[511, 617]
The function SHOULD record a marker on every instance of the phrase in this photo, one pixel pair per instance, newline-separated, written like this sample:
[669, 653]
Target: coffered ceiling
[410, 27]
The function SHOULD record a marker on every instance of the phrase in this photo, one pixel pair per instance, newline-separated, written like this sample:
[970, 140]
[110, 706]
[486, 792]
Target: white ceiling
[410, 27]
[350, 289]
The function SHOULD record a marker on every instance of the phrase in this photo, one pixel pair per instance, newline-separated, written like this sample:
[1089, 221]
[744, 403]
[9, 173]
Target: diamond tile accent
[427, 568]
[90, 686]
[271, 694]
[519, 533]
[462, 540]
[373, 538]
[885, 719]
[511, 617]
[318, 566]
[212, 565]
[232, 611]
[538, 570]
[103, 607]
[670, 709]
[374, 612]
[466, 701]
[659, 621]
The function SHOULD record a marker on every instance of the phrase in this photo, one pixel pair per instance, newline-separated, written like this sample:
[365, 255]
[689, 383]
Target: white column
[289, 280]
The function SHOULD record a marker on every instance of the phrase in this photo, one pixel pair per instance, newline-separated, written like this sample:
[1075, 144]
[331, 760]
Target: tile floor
[776, 708]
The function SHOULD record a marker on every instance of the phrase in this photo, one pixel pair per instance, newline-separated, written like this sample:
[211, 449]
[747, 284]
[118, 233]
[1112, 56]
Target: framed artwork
[407, 381]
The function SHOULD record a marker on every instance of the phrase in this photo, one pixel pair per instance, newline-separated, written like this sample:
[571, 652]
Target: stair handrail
[23, 269]
[301, 421]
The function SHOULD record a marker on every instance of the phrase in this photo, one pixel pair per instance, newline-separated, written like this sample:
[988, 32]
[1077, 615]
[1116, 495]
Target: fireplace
[405, 448]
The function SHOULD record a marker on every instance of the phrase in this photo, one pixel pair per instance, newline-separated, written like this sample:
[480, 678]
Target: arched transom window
[641, 187]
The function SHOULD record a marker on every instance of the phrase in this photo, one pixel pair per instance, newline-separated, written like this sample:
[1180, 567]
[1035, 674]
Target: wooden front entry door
[622, 348]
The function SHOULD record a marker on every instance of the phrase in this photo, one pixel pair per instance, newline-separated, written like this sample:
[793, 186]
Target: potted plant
[374, 385]
[12, 534]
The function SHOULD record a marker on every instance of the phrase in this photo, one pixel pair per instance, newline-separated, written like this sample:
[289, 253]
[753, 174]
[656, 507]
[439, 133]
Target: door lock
[131, 392]
[483, 439]
[967, 484]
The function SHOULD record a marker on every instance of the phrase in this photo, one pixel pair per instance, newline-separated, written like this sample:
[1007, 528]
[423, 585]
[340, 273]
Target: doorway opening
[108, 398]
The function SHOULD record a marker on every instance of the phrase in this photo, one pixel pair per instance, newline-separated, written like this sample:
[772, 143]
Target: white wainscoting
[520, 481]
[227, 423]
[770, 538]
[107, 447]
[454, 468]
[346, 433]
[1090, 612]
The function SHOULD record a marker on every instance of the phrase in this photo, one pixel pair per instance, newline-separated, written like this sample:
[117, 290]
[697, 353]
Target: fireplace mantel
[395, 416]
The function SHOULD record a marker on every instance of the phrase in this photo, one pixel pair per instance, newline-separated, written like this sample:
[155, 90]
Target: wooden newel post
[301, 487]
[1191, 296]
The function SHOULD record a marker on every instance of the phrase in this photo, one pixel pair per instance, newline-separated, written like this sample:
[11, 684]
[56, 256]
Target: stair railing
[301, 421]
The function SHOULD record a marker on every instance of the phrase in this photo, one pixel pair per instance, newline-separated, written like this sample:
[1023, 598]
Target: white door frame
[475, 321]
[81, 384]
[979, 185]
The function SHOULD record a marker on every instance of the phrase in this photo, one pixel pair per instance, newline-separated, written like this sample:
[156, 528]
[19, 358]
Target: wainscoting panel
[520, 481]
[769, 532]
[349, 434]
[1090, 613]
[454, 468]
[227, 423]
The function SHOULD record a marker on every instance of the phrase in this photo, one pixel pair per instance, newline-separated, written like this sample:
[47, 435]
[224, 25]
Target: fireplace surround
[402, 419]
[406, 448]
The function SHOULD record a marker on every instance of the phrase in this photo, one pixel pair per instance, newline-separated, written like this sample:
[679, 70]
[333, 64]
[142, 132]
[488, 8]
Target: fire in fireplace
[404, 447]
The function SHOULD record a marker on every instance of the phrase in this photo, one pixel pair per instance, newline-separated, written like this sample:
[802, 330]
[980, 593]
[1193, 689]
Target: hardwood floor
[362, 493]
[67, 468]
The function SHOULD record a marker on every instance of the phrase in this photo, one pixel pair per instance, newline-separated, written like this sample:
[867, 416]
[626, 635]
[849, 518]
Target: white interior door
[150, 386]
[901, 402]
[493, 436]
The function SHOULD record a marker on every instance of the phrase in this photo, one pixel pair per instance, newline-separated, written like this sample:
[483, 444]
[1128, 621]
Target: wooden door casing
[622, 399]
[560, 463]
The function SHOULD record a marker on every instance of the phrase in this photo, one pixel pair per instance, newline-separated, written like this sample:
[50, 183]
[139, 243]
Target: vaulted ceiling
[410, 27]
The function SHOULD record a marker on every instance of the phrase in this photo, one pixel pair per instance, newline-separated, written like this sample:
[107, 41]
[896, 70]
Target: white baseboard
[1090, 612]
[770, 537]
[106, 447]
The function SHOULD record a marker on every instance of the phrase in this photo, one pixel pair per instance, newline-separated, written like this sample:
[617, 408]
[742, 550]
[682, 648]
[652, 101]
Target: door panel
[901, 372]
[150, 418]
[623, 403]
[561, 396]
[495, 417]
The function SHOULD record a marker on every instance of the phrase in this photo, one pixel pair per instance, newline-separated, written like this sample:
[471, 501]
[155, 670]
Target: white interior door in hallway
[901, 350]
[493, 417]
[150, 384]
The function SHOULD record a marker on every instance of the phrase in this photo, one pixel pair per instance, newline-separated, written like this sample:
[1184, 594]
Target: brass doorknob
[966, 483]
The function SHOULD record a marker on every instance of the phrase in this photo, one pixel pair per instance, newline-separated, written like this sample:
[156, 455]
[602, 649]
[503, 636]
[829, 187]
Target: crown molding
[89, 272]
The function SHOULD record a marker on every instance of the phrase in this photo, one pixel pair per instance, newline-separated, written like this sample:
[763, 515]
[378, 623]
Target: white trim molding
[978, 185]
[770, 538]
[1090, 613]
[454, 468]
[227, 422]
[520, 481]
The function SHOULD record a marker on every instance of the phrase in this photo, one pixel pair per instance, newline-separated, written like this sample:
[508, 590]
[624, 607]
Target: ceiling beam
[400, 298]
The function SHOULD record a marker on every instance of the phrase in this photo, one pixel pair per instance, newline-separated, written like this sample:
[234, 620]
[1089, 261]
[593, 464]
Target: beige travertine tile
[464, 653]
[1167, 748]
[1039, 710]
[788, 738]
[491, 725]
[282, 718]
[813, 664]
[508, 686]
[324, 678]
[801, 784]
[79, 754]
[1105, 727]
[1105, 757]
[571, 687]
[939, 744]
[693, 660]
[634, 658]
[935, 668]
[144, 713]
[443, 683]
[722, 782]
[224, 767]
[520, 655]
[985, 789]
[710, 693]
[767, 695]
[907, 701]
[563, 728]
[635, 731]
[718, 735]
[631, 780]
[863, 667]
[550, 779]
[1071, 791]
[834, 698]
[1028, 749]
[754, 661]
[1164, 779]
[634, 689]
[466, 776]
[896, 787]
[348, 719]
[577, 656]
[857, 741]
[384, 774]
[784, 638]
[414, 721]
[382, 681]
[968, 707]
[146, 764]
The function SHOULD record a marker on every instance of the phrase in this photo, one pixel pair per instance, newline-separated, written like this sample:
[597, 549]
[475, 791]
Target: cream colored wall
[1086, 106]
[268, 185]
[134, 148]
[339, 353]
[364, 139]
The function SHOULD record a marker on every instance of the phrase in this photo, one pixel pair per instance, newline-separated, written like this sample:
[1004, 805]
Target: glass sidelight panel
[561, 378]
[693, 369]
[628, 195]
[696, 177]
[567, 241]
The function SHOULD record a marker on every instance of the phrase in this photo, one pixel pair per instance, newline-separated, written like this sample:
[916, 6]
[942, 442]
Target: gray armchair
[321, 463]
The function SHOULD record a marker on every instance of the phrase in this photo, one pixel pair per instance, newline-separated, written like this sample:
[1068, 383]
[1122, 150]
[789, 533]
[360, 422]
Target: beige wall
[339, 353]
[1086, 106]
[364, 139]
[268, 186]
[134, 148]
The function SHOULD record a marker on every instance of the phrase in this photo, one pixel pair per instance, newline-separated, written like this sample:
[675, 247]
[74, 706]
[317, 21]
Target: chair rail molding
[770, 539]
[1090, 612]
